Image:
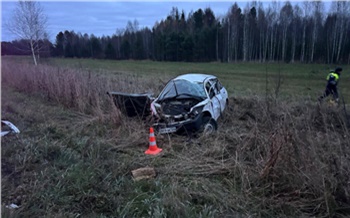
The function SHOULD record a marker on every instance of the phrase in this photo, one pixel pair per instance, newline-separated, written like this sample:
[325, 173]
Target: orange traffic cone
[153, 149]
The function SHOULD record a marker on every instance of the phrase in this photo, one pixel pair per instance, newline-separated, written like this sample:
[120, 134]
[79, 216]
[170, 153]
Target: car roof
[195, 77]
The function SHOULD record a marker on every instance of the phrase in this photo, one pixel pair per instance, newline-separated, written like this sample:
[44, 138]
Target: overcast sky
[104, 18]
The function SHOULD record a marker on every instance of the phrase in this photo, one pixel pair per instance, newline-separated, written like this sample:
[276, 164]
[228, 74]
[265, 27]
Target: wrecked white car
[188, 103]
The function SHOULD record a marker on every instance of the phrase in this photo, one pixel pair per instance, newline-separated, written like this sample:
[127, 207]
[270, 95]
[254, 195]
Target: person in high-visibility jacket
[332, 82]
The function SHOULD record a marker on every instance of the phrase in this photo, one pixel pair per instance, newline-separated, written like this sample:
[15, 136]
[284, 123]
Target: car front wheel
[208, 125]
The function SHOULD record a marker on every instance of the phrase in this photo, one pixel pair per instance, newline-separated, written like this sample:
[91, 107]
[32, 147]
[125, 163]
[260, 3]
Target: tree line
[287, 32]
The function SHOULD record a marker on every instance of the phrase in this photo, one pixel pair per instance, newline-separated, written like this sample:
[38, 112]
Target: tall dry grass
[80, 89]
[284, 159]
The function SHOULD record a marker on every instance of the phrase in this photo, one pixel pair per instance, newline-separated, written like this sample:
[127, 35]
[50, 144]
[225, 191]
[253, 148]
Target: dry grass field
[277, 153]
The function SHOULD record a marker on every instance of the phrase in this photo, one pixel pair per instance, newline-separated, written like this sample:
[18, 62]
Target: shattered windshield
[183, 88]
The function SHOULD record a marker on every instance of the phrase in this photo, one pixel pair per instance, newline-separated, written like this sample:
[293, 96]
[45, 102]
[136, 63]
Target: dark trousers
[330, 89]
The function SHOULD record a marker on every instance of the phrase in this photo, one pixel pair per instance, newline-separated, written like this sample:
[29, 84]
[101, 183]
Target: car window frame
[212, 88]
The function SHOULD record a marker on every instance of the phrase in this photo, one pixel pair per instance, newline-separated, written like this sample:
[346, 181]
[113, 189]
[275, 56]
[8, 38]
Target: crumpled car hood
[176, 109]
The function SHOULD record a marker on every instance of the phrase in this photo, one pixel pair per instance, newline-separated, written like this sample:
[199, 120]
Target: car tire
[209, 125]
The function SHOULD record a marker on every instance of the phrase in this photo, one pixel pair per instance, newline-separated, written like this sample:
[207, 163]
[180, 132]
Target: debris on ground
[8, 127]
[143, 173]
[12, 206]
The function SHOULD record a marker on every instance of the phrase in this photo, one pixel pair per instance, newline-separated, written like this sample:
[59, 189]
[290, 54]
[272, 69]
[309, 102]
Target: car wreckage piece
[132, 104]
[10, 128]
[188, 103]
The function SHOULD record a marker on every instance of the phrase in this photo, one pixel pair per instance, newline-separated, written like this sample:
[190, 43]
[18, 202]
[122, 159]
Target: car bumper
[189, 125]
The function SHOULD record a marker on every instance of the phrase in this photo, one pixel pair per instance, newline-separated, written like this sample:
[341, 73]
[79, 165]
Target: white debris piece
[12, 206]
[13, 128]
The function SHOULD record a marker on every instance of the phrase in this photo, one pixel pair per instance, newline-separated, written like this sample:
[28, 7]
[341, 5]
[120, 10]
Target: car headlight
[196, 111]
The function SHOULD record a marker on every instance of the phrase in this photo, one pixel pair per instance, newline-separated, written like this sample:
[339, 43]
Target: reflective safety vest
[332, 78]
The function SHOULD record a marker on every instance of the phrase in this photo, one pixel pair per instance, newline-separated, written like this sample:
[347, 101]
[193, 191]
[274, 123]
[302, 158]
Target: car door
[222, 95]
[214, 100]
[132, 104]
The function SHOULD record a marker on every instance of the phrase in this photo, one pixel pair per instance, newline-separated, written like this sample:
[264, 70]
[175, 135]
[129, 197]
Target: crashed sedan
[188, 103]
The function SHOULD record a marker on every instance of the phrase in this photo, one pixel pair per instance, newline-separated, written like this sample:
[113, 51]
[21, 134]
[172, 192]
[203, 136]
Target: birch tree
[295, 35]
[263, 37]
[341, 9]
[317, 19]
[306, 7]
[246, 34]
[234, 23]
[249, 30]
[272, 20]
[286, 17]
[29, 22]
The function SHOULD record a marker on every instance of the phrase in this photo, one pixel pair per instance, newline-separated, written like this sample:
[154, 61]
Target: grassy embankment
[75, 152]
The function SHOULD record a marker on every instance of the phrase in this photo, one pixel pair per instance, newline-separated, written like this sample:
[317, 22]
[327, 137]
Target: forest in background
[303, 32]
